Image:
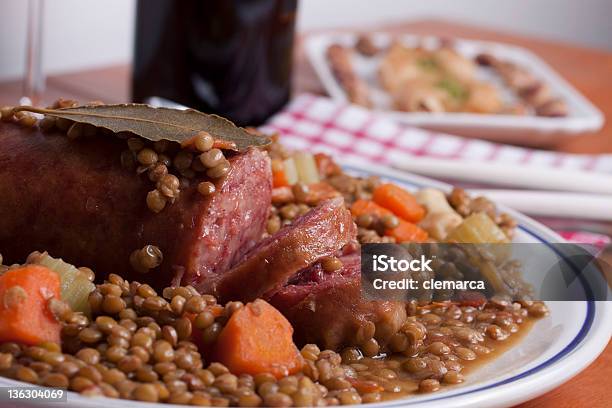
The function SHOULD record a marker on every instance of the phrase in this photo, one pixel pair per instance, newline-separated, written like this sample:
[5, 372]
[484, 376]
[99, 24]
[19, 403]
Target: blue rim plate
[590, 326]
[557, 348]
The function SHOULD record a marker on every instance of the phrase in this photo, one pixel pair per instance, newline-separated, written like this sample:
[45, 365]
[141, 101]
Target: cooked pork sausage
[328, 308]
[267, 267]
[73, 199]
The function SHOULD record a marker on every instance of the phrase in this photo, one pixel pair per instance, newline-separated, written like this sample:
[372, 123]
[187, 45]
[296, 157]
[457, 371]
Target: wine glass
[34, 79]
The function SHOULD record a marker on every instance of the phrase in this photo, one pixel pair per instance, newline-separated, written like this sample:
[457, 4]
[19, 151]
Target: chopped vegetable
[75, 286]
[24, 313]
[438, 224]
[360, 207]
[441, 217]
[291, 172]
[433, 200]
[407, 232]
[258, 339]
[306, 167]
[399, 201]
[478, 228]
[279, 177]
[404, 232]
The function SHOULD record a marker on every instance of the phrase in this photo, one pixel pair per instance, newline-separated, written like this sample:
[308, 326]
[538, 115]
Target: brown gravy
[407, 384]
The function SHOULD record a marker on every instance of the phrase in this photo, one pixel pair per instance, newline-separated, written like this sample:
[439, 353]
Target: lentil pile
[138, 345]
[171, 166]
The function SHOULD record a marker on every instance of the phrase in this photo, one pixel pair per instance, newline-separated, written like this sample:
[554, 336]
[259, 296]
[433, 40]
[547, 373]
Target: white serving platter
[528, 129]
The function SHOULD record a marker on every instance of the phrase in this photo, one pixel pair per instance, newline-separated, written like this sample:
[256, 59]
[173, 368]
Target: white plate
[532, 130]
[557, 348]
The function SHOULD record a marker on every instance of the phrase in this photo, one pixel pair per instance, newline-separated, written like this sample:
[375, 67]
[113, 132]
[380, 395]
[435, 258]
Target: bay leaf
[157, 123]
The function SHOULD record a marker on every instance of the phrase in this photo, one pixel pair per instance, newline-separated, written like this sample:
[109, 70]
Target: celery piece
[478, 228]
[306, 167]
[75, 287]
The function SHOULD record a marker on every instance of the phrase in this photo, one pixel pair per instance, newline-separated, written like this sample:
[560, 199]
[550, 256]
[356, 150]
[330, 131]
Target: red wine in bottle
[229, 57]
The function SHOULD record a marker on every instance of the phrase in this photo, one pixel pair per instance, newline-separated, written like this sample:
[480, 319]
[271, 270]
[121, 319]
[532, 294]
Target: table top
[587, 69]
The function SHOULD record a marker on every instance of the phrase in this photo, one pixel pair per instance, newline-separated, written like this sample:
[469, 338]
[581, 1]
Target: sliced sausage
[328, 308]
[267, 267]
[74, 199]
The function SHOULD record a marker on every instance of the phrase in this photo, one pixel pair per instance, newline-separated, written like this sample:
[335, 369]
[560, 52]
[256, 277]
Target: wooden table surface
[587, 69]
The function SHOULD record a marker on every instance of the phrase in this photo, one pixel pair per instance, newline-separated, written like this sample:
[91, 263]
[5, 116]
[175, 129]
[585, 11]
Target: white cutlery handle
[554, 204]
[542, 178]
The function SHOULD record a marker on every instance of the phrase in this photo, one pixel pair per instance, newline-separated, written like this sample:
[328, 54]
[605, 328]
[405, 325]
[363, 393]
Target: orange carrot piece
[407, 232]
[360, 207]
[279, 177]
[258, 339]
[404, 232]
[24, 313]
[399, 201]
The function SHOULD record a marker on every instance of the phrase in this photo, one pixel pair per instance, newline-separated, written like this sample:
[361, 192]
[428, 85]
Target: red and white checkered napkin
[346, 131]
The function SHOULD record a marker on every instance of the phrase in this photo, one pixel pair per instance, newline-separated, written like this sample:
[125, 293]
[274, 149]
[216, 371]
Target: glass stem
[34, 81]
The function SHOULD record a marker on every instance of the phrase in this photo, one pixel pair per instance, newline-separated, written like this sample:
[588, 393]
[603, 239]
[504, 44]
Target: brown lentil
[389, 221]
[90, 335]
[155, 201]
[113, 304]
[219, 170]
[300, 192]
[88, 273]
[429, 385]
[212, 158]
[25, 119]
[157, 172]
[88, 355]
[14, 296]
[146, 392]
[182, 160]
[331, 264]
[453, 377]
[204, 141]
[6, 113]
[538, 309]
[169, 186]
[206, 188]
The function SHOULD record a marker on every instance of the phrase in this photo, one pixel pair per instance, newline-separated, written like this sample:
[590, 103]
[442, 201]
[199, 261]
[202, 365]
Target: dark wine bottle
[229, 57]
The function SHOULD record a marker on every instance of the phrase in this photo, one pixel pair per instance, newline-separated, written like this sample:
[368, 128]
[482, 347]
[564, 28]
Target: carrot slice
[258, 339]
[360, 207]
[404, 232]
[399, 201]
[279, 177]
[407, 232]
[24, 313]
